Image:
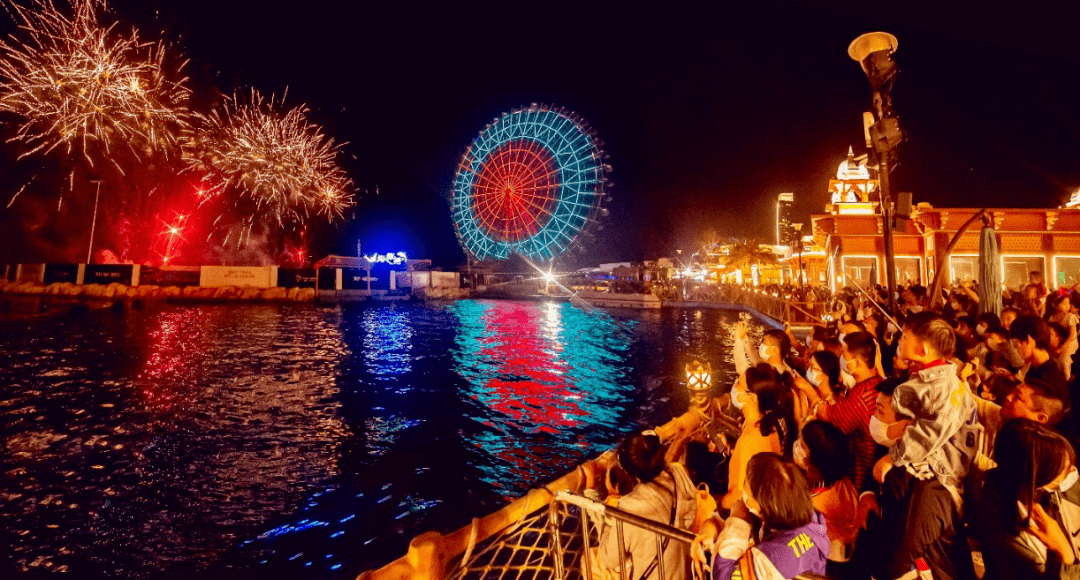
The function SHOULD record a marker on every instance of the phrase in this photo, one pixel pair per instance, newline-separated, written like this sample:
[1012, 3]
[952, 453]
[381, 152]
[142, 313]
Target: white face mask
[753, 510]
[980, 329]
[814, 377]
[1066, 484]
[763, 351]
[735, 402]
[799, 454]
[879, 431]
[844, 365]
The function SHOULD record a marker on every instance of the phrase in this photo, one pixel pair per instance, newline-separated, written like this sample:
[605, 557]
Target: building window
[1016, 269]
[908, 270]
[861, 269]
[964, 268]
[1067, 269]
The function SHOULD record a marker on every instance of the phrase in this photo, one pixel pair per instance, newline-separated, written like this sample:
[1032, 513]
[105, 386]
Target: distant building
[848, 243]
[784, 202]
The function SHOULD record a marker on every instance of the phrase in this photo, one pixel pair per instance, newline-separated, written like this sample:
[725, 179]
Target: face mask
[879, 430]
[980, 329]
[735, 402]
[844, 365]
[814, 377]
[746, 500]
[799, 454]
[1070, 480]
[763, 351]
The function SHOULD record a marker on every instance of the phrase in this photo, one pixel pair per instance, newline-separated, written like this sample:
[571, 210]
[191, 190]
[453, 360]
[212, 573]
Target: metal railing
[781, 306]
[601, 512]
[559, 542]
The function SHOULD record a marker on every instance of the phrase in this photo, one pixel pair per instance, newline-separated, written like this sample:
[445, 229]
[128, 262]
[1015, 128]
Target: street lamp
[873, 51]
[796, 241]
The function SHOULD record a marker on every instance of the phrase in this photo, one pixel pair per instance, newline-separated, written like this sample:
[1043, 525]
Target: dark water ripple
[303, 441]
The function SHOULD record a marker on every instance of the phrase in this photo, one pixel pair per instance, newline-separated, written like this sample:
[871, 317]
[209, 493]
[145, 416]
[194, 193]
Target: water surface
[307, 441]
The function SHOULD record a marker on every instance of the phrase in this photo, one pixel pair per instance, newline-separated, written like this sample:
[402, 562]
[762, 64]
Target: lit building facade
[848, 244]
[784, 202]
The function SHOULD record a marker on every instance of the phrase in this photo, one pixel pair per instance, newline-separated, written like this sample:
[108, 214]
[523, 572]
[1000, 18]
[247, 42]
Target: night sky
[708, 111]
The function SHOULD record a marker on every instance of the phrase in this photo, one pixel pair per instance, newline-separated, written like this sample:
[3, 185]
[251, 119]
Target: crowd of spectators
[926, 441]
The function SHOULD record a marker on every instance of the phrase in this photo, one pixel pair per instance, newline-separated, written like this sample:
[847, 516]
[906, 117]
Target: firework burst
[274, 156]
[79, 86]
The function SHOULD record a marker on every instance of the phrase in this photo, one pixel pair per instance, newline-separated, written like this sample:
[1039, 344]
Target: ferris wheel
[531, 183]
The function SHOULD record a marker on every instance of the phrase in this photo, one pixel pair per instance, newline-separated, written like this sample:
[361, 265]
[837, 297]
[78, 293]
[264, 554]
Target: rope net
[531, 549]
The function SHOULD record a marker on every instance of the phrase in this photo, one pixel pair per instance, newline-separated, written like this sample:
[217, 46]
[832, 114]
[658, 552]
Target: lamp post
[796, 241]
[93, 222]
[873, 51]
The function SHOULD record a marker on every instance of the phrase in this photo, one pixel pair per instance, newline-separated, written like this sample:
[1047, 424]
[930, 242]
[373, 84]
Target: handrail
[600, 509]
[430, 552]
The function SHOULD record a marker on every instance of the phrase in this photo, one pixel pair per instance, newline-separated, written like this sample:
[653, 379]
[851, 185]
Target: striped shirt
[851, 414]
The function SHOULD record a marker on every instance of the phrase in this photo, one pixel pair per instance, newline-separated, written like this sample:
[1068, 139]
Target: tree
[710, 246]
[745, 253]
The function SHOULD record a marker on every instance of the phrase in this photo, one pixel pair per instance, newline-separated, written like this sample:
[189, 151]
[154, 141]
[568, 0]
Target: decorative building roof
[1074, 201]
[850, 169]
[850, 191]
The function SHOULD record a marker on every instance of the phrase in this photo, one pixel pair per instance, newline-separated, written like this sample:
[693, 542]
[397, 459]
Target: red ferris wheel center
[530, 184]
[516, 190]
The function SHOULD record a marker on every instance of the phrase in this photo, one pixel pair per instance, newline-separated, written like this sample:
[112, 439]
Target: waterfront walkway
[772, 306]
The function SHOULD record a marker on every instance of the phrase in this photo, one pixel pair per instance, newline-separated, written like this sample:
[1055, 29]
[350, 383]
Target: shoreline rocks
[116, 291]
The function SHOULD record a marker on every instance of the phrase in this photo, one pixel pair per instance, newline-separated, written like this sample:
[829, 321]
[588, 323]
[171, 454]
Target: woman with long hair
[1028, 514]
[767, 406]
[822, 451]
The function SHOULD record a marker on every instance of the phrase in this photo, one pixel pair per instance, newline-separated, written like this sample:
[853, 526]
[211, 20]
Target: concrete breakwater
[151, 292]
[229, 283]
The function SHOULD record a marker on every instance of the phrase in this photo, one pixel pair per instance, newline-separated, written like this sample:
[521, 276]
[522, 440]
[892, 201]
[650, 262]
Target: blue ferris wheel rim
[579, 159]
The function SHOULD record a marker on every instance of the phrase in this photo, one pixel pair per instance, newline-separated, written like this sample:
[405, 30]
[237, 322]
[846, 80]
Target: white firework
[82, 87]
[275, 156]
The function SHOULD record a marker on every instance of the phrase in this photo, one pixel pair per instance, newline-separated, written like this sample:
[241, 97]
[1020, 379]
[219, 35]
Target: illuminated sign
[387, 258]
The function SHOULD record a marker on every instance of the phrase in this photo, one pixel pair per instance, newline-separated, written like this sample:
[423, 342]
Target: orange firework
[274, 156]
[80, 86]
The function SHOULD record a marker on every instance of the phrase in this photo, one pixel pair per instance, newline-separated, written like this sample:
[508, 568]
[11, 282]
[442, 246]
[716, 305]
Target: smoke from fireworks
[77, 84]
[278, 159]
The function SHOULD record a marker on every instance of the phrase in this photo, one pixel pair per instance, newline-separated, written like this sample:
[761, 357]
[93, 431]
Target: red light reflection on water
[532, 388]
[168, 373]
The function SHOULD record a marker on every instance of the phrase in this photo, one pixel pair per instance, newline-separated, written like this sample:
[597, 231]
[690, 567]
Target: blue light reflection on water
[543, 368]
[334, 433]
[388, 342]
